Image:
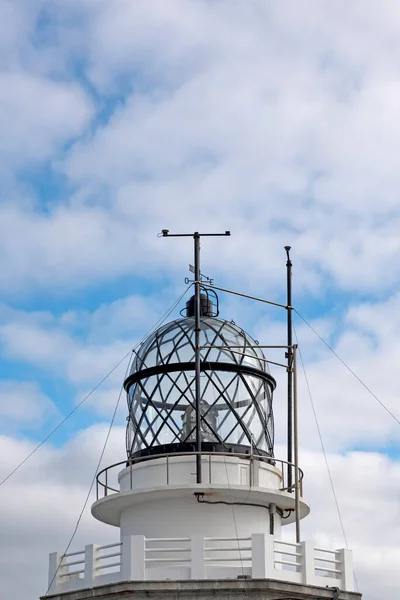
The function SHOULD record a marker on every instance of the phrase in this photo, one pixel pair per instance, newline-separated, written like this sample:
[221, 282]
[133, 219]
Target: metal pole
[289, 367]
[215, 287]
[197, 274]
[296, 446]
[196, 237]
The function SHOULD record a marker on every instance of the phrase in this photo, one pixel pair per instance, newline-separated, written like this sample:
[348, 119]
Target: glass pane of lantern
[236, 391]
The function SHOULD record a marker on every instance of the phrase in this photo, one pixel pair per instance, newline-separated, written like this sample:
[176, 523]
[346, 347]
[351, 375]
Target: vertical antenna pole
[196, 237]
[296, 446]
[289, 368]
[197, 314]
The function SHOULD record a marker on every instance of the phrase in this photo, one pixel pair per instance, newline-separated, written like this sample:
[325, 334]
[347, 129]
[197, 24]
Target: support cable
[93, 478]
[64, 420]
[323, 449]
[349, 368]
[157, 324]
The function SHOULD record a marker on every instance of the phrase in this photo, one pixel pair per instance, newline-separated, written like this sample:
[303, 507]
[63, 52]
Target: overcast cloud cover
[277, 120]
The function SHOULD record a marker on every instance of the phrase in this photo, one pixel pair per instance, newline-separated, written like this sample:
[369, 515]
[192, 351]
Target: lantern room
[236, 389]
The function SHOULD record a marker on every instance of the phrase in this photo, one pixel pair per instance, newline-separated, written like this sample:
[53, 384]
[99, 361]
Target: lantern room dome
[174, 343]
[236, 391]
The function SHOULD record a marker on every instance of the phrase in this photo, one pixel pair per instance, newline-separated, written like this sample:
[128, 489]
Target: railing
[258, 556]
[228, 550]
[283, 466]
[174, 552]
[65, 566]
[93, 567]
[288, 556]
[327, 562]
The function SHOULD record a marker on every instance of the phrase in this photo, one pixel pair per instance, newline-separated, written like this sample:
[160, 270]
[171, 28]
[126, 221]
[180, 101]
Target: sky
[278, 121]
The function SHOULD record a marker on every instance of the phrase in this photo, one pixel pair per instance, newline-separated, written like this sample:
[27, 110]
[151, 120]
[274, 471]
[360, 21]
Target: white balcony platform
[170, 478]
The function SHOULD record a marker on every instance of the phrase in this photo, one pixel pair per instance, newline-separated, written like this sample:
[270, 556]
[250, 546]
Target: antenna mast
[289, 367]
[197, 314]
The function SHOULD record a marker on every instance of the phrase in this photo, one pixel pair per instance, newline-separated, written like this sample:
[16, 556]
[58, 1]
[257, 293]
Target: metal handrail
[251, 457]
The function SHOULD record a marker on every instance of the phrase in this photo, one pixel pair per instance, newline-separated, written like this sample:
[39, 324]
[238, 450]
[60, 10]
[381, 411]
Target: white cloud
[52, 348]
[80, 346]
[38, 116]
[41, 503]
[367, 492]
[314, 149]
[251, 118]
[24, 405]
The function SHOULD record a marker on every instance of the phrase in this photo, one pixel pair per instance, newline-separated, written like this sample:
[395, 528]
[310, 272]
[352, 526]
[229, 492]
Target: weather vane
[203, 278]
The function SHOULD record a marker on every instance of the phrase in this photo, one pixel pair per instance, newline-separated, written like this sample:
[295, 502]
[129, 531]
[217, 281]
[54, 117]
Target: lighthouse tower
[200, 499]
[243, 488]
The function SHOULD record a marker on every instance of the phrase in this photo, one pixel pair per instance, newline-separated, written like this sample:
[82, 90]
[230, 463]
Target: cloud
[38, 116]
[303, 150]
[54, 349]
[41, 503]
[363, 482]
[23, 405]
[81, 345]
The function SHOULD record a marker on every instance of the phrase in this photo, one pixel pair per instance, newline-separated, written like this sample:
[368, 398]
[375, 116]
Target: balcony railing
[104, 488]
[258, 556]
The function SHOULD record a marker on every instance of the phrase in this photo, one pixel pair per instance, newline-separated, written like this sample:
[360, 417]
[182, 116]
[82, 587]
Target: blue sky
[277, 121]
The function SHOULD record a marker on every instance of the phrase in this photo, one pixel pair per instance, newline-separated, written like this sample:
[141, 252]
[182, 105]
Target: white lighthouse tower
[158, 495]
[200, 499]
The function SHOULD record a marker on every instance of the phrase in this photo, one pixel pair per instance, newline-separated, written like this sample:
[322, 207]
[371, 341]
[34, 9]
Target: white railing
[259, 556]
[103, 478]
[86, 568]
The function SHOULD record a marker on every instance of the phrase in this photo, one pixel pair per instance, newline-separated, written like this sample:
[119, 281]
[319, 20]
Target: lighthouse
[159, 496]
[200, 500]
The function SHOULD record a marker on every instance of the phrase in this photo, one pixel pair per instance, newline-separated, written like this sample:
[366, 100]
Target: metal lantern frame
[236, 410]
